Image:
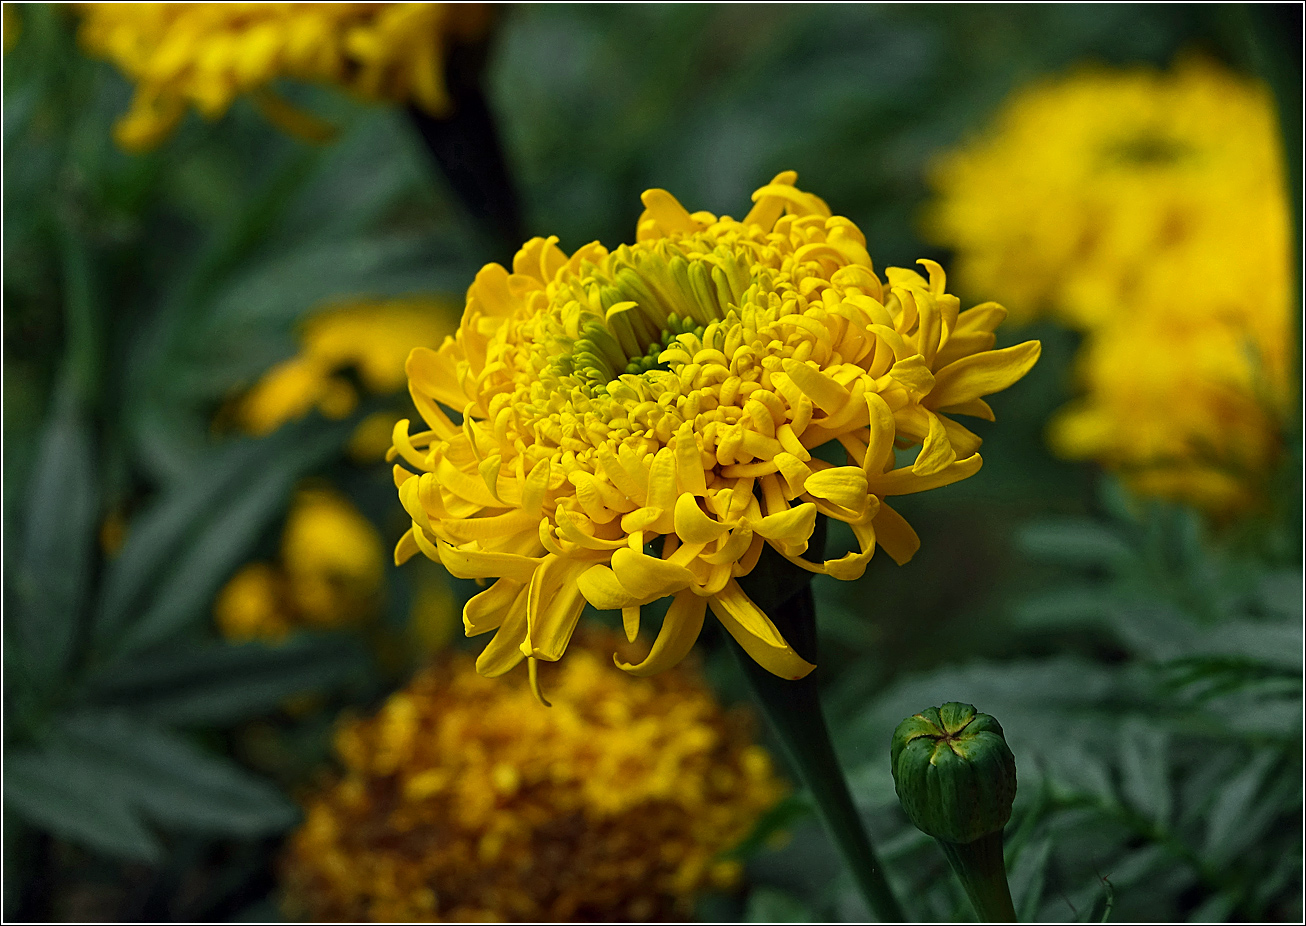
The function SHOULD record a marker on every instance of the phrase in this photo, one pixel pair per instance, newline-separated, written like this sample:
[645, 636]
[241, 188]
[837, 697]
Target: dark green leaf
[59, 542]
[1080, 543]
[769, 905]
[174, 783]
[184, 556]
[1145, 773]
[220, 684]
[53, 788]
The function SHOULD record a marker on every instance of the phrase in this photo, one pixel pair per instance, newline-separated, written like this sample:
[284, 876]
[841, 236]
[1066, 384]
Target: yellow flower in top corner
[463, 800]
[1085, 185]
[1150, 210]
[372, 338]
[206, 54]
[638, 423]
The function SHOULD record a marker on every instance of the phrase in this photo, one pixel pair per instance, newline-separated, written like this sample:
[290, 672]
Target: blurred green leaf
[55, 789]
[768, 905]
[1026, 879]
[219, 683]
[1075, 542]
[174, 783]
[179, 554]
[1145, 771]
[59, 542]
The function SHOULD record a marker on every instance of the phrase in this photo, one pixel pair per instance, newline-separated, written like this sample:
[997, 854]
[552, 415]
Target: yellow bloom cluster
[329, 574]
[1132, 204]
[464, 800]
[371, 338]
[637, 423]
[207, 54]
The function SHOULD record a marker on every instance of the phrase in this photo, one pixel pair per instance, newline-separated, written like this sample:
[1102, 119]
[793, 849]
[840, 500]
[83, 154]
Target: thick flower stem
[467, 147]
[794, 709]
[980, 868]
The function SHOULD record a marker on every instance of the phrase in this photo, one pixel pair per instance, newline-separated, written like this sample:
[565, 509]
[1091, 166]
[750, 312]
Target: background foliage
[1147, 670]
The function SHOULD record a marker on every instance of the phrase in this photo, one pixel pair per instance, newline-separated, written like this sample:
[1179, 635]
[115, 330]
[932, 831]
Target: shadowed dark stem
[980, 868]
[467, 147]
[794, 710]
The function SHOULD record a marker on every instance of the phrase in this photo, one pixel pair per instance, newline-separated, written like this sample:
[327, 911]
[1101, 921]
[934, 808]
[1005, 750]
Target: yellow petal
[680, 629]
[692, 523]
[937, 452]
[406, 548]
[733, 601]
[905, 482]
[821, 389]
[778, 660]
[600, 587]
[648, 578]
[983, 374]
[553, 607]
[895, 535]
[843, 485]
[666, 210]
[630, 622]
[879, 452]
[464, 563]
[793, 526]
[503, 652]
[486, 611]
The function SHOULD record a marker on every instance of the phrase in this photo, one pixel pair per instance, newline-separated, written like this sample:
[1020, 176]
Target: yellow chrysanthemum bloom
[206, 54]
[464, 800]
[1179, 409]
[671, 392]
[330, 574]
[1115, 188]
[371, 338]
[1130, 204]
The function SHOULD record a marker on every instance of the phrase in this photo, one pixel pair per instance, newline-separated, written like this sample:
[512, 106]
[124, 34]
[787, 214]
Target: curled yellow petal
[680, 629]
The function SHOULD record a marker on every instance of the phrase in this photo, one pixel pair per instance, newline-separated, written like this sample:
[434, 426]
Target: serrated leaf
[1227, 826]
[1076, 542]
[1027, 878]
[59, 542]
[769, 905]
[1145, 772]
[220, 684]
[1068, 608]
[54, 790]
[215, 538]
[173, 782]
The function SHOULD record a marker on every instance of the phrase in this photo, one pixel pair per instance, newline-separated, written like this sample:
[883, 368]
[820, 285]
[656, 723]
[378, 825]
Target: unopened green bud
[953, 772]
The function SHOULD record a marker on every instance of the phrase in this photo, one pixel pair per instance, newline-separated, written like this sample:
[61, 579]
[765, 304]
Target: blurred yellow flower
[672, 392]
[206, 54]
[464, 800]
[1150, 210]
[1179, 409]
[13, 26]
[1104, 191]
[371, 338]
[329, 575]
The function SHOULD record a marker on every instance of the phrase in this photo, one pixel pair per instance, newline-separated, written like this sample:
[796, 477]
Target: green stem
[794, 709]
[980, 868]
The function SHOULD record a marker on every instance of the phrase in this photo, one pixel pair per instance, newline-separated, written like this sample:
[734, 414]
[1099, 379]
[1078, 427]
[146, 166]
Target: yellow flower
[330, 574]
[464, 800]
[1132, 204]
[1103, 191]
[371, 338]
[333, 559]
[1179, 408]
[636, 424]
[206, 54]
